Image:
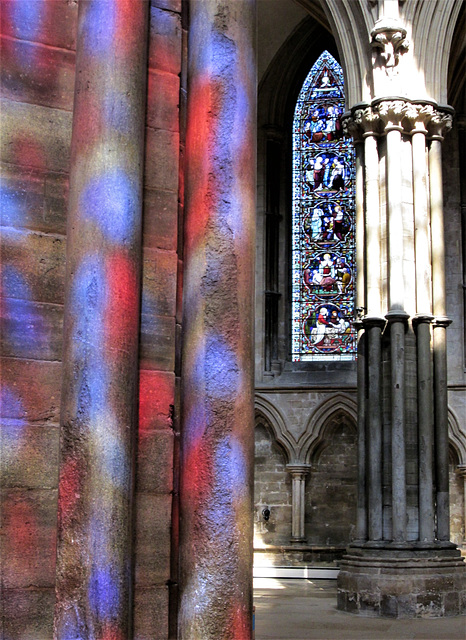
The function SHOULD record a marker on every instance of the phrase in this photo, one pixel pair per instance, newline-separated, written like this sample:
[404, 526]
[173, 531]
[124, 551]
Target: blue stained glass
[323, 265]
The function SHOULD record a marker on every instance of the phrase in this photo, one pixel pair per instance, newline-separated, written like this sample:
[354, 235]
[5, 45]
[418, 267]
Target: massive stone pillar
[99, 400]
[217, 439]
[402, 563]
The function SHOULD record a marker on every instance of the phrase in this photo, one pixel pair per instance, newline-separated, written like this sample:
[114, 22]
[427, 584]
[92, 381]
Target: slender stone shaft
[373, 327]
[426, 430]
[395, 219]
[397, 398]
[298, 480]
[421, 222]
[439, 338]
[372, 226]
[361, 524]
[217, 441]
[99, 398]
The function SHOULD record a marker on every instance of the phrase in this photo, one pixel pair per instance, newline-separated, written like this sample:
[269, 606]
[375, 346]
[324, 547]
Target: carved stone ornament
[403, 115]
[389, 41]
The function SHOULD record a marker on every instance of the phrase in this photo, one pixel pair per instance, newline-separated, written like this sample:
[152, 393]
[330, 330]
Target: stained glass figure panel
[323, 234]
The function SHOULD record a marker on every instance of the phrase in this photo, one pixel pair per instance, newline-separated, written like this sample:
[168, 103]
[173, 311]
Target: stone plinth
[396, 582]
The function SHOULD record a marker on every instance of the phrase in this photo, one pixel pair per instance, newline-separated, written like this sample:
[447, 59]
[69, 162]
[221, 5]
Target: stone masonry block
[161, 159]
[170, 5]
[152, 550]
[30, 390]
[35, 136]
[156, 400]
[157, 349]
[155, 461]
[29, 455]
[159, 282]
[37, 74]
[165, 41]
[160, 222]
[33, 266]
[31, 329]
[151, 613]
[29, 520]
[33, 199]
[28, 614]
[163, 90]
[52, 23]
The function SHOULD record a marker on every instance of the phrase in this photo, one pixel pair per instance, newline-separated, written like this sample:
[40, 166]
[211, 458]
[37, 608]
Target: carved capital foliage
[404, 115]
[439, 124]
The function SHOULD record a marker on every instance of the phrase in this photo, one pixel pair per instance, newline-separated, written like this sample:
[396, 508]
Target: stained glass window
[323, 240]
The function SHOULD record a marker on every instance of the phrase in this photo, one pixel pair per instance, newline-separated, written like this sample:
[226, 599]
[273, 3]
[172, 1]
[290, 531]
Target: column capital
[391, 113]
[440, 123]
[298, 469]
[370, 322]
[442, 321]
[422, 318]
[397, 315]
[461, 470]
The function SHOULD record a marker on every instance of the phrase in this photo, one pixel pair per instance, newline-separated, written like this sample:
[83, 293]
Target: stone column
[440, 122]
[461, 471]
[217, 435]
[298, 484]
[384, 571]
[100, 353]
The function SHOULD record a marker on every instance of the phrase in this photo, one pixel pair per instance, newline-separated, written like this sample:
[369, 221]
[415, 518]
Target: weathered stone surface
[31, 329]
[28, 614]
[37, 74]
[160, 223]
[35, 136]
[29, 518]
[33, 266]
[30, 390]
[156, 399]
[161, 159]
[52, 23]
[170, 5]
[155, 461]
[163, 91]
[33, 199]
[159, 274]
[157, 348]
[29, 456]
[165, 41]
[151, 613]
[152, 550]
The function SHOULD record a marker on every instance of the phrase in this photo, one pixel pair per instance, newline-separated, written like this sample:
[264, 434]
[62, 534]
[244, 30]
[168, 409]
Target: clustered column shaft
[401, 122]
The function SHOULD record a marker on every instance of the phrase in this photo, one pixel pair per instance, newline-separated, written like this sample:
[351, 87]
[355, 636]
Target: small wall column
[461, 471]
[101, 330]
[437, 125]
[217, 396]
[373, 328]
[298, 479]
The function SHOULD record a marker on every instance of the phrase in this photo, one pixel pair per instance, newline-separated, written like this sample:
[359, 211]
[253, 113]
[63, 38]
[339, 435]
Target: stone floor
[306, 610]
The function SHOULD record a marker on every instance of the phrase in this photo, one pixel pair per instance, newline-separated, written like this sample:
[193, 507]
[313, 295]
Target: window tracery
[323, 220]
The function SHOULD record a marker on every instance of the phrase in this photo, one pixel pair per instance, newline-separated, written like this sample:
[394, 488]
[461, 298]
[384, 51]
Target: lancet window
[323, 220]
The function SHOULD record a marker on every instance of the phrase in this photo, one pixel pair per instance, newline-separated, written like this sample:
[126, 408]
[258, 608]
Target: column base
[403, 582]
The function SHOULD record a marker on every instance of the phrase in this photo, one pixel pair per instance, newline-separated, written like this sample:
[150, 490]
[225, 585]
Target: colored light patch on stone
[98, 29]
[109, 201]
[221, 368]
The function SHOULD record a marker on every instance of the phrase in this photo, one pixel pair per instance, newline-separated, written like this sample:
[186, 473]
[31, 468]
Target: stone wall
[38, 42]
